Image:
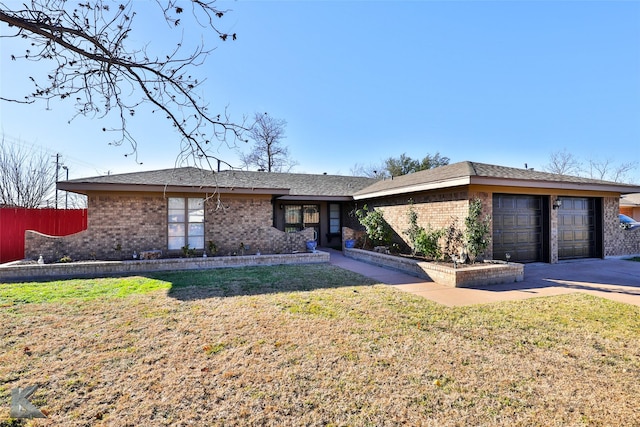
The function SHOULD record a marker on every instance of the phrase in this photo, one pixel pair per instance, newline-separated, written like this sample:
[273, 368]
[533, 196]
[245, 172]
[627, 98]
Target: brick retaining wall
[464, 276]
[10, 272]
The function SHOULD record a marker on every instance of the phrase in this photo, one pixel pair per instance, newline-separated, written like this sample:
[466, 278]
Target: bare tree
[371, 171]
[606, 169]
[563, 163]
[93, 65]
[26, 177]
[268, 153]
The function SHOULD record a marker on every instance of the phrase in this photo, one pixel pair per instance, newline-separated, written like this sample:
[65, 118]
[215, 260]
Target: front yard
[310, 345]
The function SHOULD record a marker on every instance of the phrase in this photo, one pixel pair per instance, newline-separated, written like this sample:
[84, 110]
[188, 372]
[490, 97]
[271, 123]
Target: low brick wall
[474, 275]
[464, 276]
[15, 272]
[81, 246]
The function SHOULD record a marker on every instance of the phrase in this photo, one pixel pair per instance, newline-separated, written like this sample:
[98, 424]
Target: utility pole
[66, 193]
[57, 170]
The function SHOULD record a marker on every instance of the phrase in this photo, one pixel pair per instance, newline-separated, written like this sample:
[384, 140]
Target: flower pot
[349, 243]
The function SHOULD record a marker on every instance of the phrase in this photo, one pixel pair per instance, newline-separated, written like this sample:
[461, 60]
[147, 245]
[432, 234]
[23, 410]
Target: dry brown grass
[237, 352]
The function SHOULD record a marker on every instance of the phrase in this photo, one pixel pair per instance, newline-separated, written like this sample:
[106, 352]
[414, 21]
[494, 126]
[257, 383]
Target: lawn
[313, 346]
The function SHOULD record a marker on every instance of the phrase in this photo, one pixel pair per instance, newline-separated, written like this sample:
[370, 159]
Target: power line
[33, 146]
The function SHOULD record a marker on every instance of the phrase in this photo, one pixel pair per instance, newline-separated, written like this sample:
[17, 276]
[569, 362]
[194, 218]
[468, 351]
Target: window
[186, 223]
[298, 217]
[334, 218]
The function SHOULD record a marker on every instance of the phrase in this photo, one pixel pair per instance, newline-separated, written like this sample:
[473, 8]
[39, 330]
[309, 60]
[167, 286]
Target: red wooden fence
[54, 222]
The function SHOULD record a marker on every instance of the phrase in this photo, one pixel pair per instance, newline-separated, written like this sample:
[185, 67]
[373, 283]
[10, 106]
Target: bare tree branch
[93, 66]
[563, 163]
[26, 177]
[268, 153]
[608, 170]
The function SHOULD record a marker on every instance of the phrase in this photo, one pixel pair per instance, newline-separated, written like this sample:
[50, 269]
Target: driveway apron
[615, 279]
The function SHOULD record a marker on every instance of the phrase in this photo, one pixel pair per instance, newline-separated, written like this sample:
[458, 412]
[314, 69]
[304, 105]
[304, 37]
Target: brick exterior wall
[435, 209]
[121, 224]
[617, 241]
[553, 231]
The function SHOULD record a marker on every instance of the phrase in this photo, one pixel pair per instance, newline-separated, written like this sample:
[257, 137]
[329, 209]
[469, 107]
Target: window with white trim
[186, 223]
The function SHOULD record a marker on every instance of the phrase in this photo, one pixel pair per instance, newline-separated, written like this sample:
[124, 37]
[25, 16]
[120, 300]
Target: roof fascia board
[556, 185]
[316, 198]
[84, 187]
[456, 182]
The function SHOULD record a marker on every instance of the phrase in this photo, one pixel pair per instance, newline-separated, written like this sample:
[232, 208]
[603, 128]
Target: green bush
[377, 229]
[476, 234]
[427, 242]
[421, 241]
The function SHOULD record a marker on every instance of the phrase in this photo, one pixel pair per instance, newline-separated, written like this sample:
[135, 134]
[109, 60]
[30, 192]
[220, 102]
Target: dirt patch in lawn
[328, 348]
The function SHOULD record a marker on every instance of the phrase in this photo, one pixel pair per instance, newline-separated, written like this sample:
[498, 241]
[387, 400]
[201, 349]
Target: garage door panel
[576, 228]
[517, 227]
[523, 221]
[508, 220]
[508, 238]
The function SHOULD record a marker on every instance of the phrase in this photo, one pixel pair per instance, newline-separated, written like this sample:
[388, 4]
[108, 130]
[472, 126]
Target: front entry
[299, 217]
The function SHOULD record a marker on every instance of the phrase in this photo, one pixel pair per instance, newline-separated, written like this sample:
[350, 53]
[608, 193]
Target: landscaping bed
[464, 275]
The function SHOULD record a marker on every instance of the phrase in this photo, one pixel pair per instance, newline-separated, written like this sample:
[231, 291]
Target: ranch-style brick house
[536, 216]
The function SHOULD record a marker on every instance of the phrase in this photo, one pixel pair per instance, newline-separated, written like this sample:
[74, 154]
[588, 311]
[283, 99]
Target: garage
[520, 227]
[578, 228]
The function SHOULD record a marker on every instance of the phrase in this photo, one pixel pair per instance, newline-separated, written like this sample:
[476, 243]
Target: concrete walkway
[615, 279]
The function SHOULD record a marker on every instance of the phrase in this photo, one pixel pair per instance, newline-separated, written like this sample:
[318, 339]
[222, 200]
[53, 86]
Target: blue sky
[505, 82]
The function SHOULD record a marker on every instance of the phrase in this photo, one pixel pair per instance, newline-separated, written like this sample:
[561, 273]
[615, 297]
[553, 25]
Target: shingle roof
[191, 178]
[296, 185]
[465, 173]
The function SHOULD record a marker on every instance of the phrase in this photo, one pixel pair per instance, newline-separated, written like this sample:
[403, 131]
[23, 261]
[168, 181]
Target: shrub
[377, 229]
[414, 229]
[422, 241]
[427, 242]
[476, 234]
[453, 243]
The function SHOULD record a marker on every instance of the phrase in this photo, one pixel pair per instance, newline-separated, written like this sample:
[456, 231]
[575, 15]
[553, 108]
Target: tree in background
[403, 165]
[606, 169]
[565, 163]
[430, 162]
[268, 153]
[95, 66]
[371, 171]
[26, 177]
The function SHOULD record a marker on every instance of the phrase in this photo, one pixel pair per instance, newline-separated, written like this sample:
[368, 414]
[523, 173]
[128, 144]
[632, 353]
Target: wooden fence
[54, 222]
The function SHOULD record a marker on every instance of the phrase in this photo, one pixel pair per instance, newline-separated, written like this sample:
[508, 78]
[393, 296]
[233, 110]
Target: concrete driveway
[615, 279]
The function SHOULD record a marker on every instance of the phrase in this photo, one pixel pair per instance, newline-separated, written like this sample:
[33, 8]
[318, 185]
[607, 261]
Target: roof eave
[502, 182]
[555, 185]
[84, 188]
[300, 198]
[456, 182]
